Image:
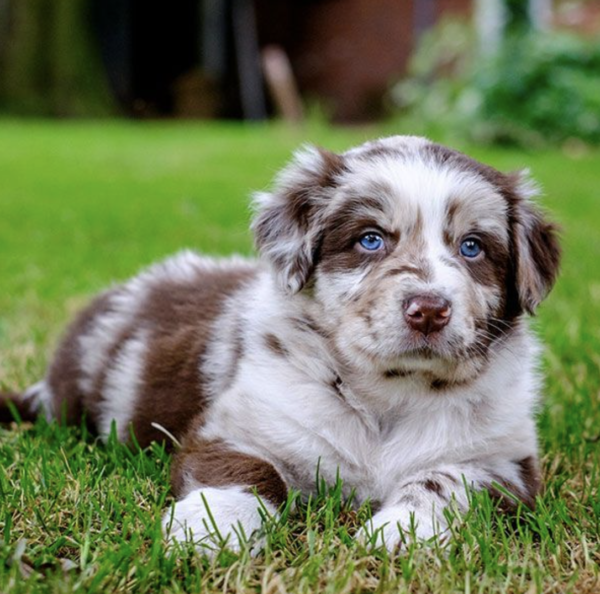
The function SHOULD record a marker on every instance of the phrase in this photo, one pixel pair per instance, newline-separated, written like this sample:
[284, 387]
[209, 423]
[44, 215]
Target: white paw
[396, 524]
[213, 518]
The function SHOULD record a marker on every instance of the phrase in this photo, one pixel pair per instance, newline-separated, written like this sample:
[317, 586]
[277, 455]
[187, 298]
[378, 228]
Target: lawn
[86, 204]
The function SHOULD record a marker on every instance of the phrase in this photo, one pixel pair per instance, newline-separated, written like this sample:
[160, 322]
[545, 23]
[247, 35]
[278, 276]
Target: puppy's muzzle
[427, 313]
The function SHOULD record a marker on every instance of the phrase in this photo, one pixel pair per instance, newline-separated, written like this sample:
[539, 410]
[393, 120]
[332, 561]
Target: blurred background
[132, 128]
[452, 63]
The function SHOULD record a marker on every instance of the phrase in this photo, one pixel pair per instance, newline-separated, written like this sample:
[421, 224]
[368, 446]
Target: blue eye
[470, 248]
[371, 242]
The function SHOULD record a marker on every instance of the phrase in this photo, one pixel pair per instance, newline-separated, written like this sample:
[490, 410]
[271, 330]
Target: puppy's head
[419, 258]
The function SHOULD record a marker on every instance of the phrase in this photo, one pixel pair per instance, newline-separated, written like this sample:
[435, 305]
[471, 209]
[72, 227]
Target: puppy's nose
[427, 313]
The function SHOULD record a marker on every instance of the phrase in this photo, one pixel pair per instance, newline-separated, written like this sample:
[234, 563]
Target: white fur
[212, 517]
[96, 344]
[39, 396]
[121, 386]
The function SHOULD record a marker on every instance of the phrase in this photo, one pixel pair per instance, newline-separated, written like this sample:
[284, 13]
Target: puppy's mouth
[429, 346]
[441, 360]
[426, 363]
[428, 353]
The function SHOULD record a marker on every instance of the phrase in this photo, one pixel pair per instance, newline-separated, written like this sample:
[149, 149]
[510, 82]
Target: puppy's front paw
[393, 525]
[212, 518]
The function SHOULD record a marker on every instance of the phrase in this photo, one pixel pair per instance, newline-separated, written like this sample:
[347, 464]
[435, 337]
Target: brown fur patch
[365, 205]
[336, 386]
[22, 408]
[180, 316]
[293, 214]
[397, 373]
[530, 475]
[299, 207]
[420, 273]
[275, 346]
[488, 270]
[538, 256]
[452, 208]
[64, 374]
[378, 150]
[442, 155]
[438, 385]
[491, 269]
[213, 464]
[333, 165]
[414, 233]
[434, 487]
[452, 262]
[451, 478]
[307, 324]
[339, 252]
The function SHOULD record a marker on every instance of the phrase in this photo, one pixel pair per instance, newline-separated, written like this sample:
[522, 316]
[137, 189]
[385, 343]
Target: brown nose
[427, 313]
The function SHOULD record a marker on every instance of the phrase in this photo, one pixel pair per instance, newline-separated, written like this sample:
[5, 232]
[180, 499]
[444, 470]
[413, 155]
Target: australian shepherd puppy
[381, 335]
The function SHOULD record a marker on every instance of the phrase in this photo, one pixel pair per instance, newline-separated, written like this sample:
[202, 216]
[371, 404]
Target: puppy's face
[418, 257]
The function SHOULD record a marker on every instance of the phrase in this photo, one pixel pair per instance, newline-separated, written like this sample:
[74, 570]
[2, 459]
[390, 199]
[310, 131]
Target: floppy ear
[536, 247]
[287, 221]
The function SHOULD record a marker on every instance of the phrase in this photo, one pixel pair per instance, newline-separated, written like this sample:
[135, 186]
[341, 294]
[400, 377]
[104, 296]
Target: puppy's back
[133, 355]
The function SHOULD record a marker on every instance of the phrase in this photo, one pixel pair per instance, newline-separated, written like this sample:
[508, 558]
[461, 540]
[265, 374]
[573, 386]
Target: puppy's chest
[304, 428]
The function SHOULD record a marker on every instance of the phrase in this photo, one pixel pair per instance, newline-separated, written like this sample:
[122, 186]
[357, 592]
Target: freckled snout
[427, 313]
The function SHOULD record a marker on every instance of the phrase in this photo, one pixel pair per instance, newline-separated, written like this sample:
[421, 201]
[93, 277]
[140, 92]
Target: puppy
[381, 335]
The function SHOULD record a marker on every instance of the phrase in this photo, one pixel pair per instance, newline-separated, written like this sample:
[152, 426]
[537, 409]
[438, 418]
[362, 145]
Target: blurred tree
[49, 63]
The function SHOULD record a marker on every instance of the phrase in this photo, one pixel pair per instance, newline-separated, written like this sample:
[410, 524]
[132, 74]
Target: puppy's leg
[419, 502]
[222, 495]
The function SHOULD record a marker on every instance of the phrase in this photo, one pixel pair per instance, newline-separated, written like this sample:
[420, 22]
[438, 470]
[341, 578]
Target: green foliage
[540, 87]
[49, 60]
[518, 19]
[83, 204]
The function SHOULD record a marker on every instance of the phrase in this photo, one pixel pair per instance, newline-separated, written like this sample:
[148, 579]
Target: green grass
[83, 205]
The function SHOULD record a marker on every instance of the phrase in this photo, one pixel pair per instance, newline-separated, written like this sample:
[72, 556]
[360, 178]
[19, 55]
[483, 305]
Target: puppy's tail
[19, 407]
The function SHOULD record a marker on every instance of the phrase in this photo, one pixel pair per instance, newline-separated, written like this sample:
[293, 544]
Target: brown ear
[286, 225]
[536, 246]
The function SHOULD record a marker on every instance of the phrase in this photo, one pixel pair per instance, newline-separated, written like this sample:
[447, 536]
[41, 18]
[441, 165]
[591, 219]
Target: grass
[84, 204]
